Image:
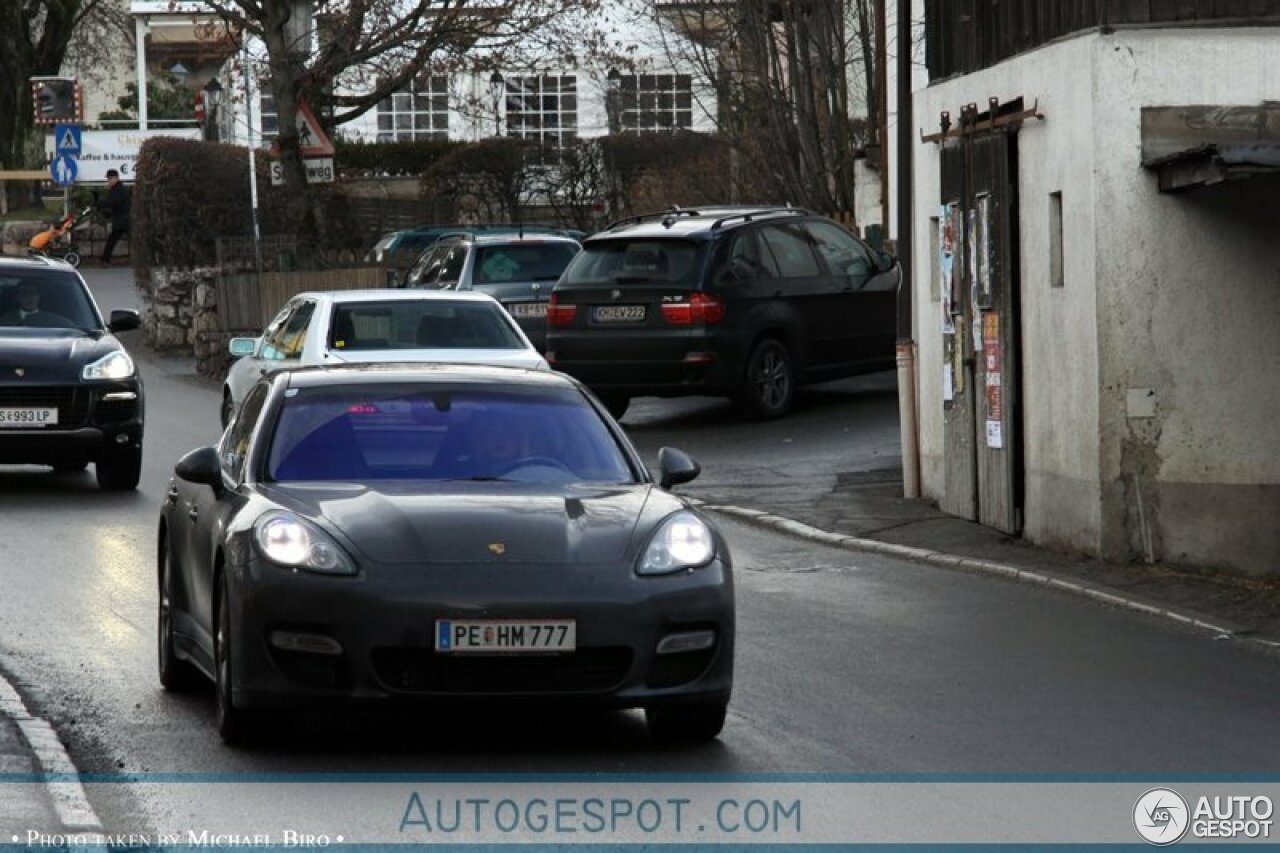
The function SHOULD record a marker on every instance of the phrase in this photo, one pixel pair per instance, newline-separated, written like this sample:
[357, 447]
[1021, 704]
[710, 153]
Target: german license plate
[529, 310]
[19, 418]
[618, 313]
[506, 635]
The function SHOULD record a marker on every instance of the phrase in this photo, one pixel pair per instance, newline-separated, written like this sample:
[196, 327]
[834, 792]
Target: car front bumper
[92, 425]
[379, 628]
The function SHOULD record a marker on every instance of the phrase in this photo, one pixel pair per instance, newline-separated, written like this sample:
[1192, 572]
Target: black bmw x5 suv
[746, 303]
[69, 393]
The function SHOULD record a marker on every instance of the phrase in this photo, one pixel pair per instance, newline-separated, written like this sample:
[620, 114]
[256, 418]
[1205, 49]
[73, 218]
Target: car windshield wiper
[480, 480]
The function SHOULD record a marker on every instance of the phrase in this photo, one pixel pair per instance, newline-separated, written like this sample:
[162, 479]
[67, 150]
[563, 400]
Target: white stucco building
[1108, 294]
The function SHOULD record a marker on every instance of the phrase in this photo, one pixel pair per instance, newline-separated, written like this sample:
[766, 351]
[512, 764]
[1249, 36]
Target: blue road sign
[66, 138]
[63, 169]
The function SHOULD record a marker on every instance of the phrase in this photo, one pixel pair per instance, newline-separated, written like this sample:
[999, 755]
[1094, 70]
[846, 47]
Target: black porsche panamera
[396, 533]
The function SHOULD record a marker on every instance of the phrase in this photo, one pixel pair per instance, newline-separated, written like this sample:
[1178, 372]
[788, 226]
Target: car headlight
[682, 542]
[116, 365]
[287, 540]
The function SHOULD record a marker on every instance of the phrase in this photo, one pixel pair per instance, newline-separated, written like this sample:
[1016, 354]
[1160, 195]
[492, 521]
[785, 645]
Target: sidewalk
[25, 804]
[869, 505]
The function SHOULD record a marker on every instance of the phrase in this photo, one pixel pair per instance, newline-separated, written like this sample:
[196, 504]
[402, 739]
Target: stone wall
[180, 316]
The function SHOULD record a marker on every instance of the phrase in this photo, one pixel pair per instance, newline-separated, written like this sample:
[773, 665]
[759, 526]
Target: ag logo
[1161, 816]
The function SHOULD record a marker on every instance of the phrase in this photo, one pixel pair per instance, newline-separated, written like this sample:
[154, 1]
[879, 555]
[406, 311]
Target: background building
[1096, 280]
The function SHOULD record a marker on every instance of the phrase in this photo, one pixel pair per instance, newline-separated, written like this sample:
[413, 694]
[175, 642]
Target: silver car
[518, 270]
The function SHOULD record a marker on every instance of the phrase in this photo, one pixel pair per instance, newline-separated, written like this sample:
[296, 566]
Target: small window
[847, 259]
[1056, 273]
[792, 250]
[235, 441]
[451, 270]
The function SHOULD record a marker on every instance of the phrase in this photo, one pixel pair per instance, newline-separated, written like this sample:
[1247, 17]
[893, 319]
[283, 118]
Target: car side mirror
[676, 467]
[201, 466]
[885, 261]
[242, 346]
[123, 320]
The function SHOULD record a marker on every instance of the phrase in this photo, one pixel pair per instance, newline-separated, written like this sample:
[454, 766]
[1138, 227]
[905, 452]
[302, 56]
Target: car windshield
[637, 261]
[522, 262]
[45, 299]
[421, 324]
[433, 432]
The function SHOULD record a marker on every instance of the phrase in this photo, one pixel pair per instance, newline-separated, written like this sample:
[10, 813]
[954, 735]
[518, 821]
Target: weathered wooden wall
[968, 35]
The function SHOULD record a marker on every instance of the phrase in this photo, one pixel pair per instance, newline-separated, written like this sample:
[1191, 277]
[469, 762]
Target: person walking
[115, 204]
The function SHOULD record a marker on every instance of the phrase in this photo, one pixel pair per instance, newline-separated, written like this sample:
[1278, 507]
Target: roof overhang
[1199, 146]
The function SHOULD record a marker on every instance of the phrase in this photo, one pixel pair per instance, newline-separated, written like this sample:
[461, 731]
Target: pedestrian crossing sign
[66, 139]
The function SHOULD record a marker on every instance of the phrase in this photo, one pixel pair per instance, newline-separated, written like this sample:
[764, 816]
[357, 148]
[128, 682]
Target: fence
[246, 303]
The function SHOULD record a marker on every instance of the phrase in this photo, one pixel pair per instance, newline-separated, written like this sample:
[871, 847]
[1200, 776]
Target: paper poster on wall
[992, 358]
[995, 435]
[973, 251]
[948, 379]
[946, 252]
[986, 252]
[956, 289]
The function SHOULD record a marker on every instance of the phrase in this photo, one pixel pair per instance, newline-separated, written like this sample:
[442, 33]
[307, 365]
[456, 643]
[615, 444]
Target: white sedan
[362, 326]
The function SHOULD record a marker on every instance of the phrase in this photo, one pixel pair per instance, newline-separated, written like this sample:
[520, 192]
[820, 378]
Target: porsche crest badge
[497, 548]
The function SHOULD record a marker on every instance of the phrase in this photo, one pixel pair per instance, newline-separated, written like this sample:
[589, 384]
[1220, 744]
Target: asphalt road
[847, 662]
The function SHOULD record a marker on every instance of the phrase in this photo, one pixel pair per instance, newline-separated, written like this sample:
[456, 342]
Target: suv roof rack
[672, 212]
[748, 215]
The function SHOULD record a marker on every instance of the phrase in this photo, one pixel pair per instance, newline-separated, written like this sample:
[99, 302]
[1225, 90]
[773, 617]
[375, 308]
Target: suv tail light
[700, 308]
[560, 315]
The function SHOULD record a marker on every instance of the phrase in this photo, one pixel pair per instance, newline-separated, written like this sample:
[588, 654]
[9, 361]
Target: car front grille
[425, 671]
[71, 402]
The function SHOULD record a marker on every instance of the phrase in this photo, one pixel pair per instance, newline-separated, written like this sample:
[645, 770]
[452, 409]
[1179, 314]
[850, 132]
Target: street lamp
[496, 87]
[611, 98]
[212, 100]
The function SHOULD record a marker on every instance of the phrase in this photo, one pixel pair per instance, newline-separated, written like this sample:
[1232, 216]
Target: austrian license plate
[618, 313]
[19, 418]
[528, 310]
[505, 635]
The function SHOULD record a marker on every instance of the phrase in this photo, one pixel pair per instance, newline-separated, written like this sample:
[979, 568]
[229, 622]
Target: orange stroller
[58, 241]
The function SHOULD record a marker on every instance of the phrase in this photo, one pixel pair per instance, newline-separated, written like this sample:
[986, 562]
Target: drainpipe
[908, 424]
[140, 30]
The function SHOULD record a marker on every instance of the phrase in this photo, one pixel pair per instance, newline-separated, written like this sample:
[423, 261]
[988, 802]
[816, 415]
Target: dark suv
[518, 270]
[69, 393]
[725, 302]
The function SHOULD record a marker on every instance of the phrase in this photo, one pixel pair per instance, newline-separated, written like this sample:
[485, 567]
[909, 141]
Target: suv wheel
[769, 384]
[228, 408]
[121, 470]
[616, 404]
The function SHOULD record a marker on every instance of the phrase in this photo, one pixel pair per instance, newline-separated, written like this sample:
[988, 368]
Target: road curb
[67, 794]
[990, 567]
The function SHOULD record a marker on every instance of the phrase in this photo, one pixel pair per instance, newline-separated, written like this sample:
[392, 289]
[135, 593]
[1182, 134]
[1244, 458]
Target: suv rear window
[522, 262]
[640, 261]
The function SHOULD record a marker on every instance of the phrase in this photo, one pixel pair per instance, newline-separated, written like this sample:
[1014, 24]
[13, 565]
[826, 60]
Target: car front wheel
[235, 725]
[228, 408]
[121, 470]
[686, 722]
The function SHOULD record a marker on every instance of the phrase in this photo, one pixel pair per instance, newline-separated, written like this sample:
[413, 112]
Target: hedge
[390, 158]
[189, 193]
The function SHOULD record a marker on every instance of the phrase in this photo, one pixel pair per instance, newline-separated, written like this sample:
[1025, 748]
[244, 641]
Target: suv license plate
[19, 418]
[506, 635]
[618, 313]
[526, 310]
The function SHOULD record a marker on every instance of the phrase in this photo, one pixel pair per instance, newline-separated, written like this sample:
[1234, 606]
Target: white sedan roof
[399, 294]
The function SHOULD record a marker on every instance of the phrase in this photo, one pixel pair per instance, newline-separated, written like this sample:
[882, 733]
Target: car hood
[496, 357]
[50, 355]
[423, 523]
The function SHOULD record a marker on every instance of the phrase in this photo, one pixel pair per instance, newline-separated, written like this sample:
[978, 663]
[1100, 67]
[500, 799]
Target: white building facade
[1140, 417]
